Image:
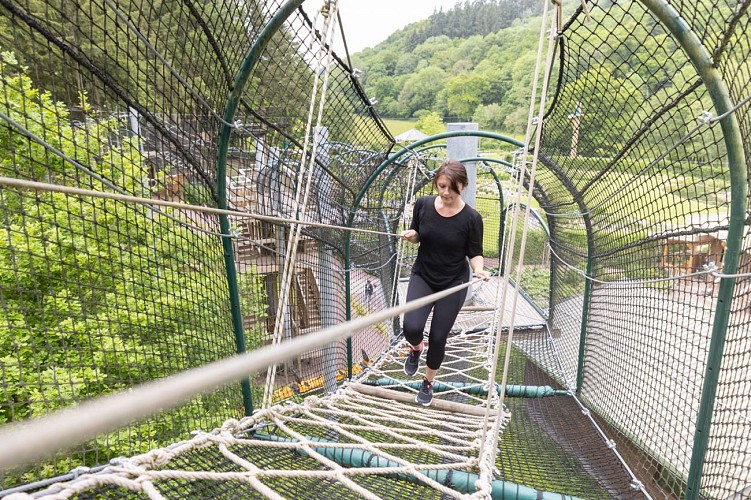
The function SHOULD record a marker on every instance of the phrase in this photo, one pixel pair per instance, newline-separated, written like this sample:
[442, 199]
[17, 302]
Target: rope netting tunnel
[191, 187]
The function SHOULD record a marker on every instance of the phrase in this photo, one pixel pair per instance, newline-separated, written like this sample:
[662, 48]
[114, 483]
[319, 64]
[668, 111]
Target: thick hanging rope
[305, 177]
[401, 244]
[487, 464]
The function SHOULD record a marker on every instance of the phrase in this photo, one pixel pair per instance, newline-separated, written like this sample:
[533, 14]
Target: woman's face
[447, 194]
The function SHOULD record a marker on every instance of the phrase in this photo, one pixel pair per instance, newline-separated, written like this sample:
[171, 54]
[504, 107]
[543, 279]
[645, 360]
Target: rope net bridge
[205, 190]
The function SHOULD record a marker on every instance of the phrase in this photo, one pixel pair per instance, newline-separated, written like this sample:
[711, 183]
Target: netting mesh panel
[129, 97]
[96, 295]
[132, 97]
[639, 192]
[548, 443]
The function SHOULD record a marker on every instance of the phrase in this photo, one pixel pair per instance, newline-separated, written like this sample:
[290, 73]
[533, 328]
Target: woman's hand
[411, 236]
[482, 274]
[477, 263]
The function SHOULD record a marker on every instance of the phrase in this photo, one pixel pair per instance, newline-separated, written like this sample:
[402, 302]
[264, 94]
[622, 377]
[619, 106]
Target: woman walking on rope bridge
[449, 231]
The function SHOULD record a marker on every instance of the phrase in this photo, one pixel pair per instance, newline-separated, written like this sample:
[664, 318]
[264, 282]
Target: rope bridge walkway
[369, 438]
[197, 198]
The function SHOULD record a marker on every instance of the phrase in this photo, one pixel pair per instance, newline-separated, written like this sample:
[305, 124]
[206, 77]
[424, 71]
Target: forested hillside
[472, 62]
[476, 62]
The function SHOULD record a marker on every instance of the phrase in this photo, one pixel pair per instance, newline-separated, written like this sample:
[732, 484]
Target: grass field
[396, 127]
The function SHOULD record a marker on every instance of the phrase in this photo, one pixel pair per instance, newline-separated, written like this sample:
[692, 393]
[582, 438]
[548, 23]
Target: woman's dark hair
[455, 172]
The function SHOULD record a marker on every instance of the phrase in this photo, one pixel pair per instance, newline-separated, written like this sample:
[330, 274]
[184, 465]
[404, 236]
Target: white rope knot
[78, 471]
[326, 8]
[120, 462]
[230, 426]
[705, 118]
[312, 400]
[637, 485]
[710, 267]
[160, 458]
[483, 487]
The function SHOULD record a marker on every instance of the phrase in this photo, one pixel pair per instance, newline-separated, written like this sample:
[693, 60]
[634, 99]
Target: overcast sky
[366, 23]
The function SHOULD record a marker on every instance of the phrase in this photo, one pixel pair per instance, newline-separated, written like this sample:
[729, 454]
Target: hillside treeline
[472, 62]
[472, 17]
[453, 64]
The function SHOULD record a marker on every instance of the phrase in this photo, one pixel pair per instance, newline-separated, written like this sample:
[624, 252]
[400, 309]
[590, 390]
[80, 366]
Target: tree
[464, 93]
[431, 124]
[98, 295]
[489, 116]
[419, 91]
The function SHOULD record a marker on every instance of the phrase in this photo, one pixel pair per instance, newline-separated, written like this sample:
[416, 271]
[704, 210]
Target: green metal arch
[444, 135]
[241, 79]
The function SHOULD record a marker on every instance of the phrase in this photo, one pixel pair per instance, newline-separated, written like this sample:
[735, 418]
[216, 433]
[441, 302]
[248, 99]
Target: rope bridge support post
[238, 86]
[465, 147]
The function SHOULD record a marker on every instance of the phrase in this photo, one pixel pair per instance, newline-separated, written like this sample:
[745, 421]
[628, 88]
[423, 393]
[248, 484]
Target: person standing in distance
[449, 232]
[368, 293]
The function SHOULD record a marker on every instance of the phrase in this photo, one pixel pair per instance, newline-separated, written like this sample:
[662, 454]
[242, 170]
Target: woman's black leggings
[445, 311]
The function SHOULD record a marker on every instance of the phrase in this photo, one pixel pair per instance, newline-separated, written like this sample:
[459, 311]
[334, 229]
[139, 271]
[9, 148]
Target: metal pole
[241, 79]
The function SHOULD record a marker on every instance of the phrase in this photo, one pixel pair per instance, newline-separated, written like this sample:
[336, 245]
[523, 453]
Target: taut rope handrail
[305, 177]
[57, 188]
[29, 441]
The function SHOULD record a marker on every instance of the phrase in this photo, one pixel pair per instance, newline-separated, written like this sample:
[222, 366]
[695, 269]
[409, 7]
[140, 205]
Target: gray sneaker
[412, 362]
[425, 396]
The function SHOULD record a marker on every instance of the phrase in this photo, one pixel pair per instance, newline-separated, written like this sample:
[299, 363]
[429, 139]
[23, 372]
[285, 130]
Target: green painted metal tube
[514, 391]
[241, 78]
[585, 316]
[461, 481]
[428, 148]
[718, 91]
[348, 299]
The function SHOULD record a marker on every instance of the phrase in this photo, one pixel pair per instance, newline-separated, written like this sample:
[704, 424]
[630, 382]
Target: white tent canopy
[410, 135]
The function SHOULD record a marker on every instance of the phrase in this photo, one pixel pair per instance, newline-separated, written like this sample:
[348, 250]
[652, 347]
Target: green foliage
[173, 29]
[536, 282]
[254, 303]
[197, 193]
[467, 76]
[488, 117]
[431, 124]
[396, 127]
[481, 17]
[97, 295]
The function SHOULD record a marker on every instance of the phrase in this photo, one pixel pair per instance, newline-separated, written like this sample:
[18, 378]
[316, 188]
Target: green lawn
[396, 127]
